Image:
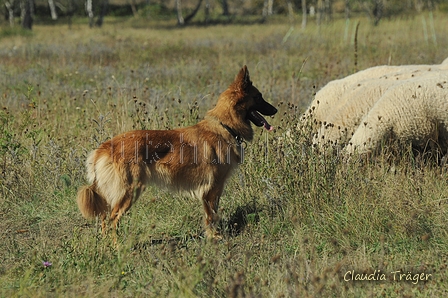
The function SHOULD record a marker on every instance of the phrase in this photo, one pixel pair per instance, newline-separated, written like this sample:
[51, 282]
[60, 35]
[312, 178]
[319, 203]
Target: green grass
[295, 221]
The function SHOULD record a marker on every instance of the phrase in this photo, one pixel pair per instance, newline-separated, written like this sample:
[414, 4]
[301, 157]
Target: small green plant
[9, 142]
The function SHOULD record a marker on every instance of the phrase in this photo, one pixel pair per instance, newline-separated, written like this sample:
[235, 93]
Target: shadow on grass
[172, 242]
[242, 216]
[234, 226]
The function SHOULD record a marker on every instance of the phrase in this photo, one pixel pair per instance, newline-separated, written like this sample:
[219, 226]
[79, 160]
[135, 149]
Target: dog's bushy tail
[90, 203]
[108, 187]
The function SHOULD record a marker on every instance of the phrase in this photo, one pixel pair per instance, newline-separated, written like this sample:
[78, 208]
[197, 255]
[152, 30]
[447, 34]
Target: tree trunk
[180, 18]
[328, 10]
[304, 14]
[377, 11]
[320, 11]
[347, 19]
[27, 14]
[71, 8]
[148, 15]
[347, 9]
[207, 11]
[134, 8]
[54, 15]
[264, 13]
[194, 12]
[267, 8]
[270, 7]
[89, 10]
[418, 4]
[10, 7]
[290, 12]
[225, 8]
[104, 7]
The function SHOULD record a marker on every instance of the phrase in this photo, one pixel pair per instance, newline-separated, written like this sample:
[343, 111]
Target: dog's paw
[212, 234]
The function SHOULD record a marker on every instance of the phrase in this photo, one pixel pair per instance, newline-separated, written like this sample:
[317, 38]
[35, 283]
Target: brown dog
[197, 159]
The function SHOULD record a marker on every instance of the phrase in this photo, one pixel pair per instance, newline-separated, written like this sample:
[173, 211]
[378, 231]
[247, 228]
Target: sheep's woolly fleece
[408, 102]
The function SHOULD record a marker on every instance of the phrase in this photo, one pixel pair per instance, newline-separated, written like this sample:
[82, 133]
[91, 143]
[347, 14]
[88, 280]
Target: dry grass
[295, 221]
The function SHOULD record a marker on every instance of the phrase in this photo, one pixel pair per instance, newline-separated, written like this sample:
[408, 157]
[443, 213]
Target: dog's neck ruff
[239, 139]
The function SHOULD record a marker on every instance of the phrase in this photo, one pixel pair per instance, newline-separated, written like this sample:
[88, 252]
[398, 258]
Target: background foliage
[212, 11]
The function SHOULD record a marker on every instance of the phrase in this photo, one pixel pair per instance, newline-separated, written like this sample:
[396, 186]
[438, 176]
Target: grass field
[296, 223]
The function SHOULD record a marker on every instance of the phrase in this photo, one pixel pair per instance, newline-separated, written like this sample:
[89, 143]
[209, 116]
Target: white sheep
[415, 110]
[340, 109]
[331, 95]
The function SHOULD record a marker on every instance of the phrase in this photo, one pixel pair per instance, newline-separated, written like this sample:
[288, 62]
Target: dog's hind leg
[103, 223]
[125, 203]
[210, 201]
[116, 213]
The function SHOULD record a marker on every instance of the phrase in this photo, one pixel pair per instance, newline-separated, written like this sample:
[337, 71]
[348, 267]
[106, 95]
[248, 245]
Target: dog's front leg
[210, 201]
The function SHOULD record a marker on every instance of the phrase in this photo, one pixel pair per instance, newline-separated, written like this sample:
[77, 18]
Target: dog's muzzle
[255, 116]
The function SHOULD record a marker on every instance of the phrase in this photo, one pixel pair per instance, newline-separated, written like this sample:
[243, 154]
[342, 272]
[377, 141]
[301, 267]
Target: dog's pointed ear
[242, 80]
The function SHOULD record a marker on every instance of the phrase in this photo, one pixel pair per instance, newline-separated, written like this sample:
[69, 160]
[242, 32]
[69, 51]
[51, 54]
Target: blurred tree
[54, 15]
[324, 11]
[134, 8]
[377, 11]
[70, 11]
[26, 13]
[328, 10]
[225, 7]
[347, 9]
[207, 11]
[320, 11]
[304, 13]
[103, 12]
[290, 12]
[418, 5]
[181, 21]
[267, 8]
[374, 9]
[10, 7]
[180, 18]
[89, 10]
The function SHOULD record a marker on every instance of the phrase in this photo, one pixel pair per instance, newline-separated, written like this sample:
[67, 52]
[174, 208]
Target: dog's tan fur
[197, 159]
